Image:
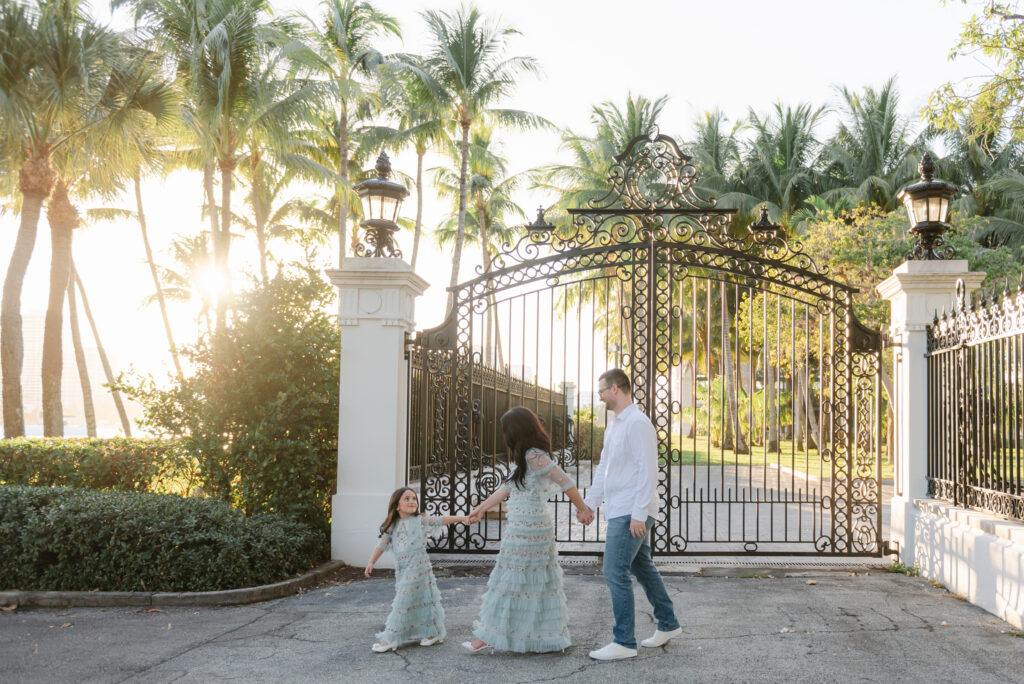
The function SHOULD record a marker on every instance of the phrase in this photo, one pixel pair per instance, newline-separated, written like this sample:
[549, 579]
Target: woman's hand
[585, 515]
[475, 516]
[369, 569]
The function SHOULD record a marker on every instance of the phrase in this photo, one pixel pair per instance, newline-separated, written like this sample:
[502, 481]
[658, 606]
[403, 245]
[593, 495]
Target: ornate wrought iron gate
[747, 357]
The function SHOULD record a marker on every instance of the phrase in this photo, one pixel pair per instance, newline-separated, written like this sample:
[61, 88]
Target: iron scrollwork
[650, 234]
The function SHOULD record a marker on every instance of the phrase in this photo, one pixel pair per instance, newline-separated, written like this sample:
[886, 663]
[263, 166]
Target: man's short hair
[618, 377]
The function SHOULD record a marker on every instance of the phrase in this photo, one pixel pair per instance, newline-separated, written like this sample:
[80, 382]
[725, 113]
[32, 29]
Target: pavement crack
[560, 677]
[190, 649]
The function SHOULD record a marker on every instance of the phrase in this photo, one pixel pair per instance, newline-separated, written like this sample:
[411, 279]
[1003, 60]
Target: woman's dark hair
[392, 516]
[523, 431]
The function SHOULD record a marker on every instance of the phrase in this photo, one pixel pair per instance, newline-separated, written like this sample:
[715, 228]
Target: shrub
[60, 539]
[589, 435]
[136, 465]
[260, 411]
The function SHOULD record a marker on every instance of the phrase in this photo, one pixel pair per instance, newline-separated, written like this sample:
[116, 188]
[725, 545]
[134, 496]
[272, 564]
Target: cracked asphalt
[772, 626]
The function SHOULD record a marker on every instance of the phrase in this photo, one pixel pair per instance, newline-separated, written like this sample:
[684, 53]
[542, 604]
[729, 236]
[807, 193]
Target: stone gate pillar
[916, 291]
[377, 301]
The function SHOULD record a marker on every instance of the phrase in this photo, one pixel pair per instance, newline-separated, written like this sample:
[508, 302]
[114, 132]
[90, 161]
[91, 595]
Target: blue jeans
[623, 554]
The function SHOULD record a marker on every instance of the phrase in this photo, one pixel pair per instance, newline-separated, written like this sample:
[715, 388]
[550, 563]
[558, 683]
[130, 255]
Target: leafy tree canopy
[991, 107]
[263, 419]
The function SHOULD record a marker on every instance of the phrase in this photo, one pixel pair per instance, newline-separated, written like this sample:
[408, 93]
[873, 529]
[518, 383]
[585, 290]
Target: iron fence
[976, 404]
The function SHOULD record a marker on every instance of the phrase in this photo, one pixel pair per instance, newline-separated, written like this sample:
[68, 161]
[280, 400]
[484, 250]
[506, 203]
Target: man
[625, 483]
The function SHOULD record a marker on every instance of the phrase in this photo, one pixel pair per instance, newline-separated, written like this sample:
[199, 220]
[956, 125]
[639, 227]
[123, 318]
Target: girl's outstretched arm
[373, 559]
[452, 519]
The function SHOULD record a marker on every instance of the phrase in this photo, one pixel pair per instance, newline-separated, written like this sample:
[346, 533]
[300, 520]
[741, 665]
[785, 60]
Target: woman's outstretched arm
[490, 502]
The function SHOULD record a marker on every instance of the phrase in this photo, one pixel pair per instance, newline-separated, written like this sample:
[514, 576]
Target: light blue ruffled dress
[416, 612]
[524, 609]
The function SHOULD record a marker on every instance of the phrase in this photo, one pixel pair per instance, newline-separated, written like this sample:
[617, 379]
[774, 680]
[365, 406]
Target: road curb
[145, 599]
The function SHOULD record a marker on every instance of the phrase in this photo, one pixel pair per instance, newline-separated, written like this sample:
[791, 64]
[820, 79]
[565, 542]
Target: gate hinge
[407, 347]
[890, 547]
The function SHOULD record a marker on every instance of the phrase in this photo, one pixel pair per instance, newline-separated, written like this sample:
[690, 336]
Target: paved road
[757, 625]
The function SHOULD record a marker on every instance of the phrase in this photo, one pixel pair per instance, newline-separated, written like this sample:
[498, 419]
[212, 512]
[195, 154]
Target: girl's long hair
[392, 516]
[523, 431]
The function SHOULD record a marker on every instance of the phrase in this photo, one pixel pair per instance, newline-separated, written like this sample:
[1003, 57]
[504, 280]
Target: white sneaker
[613, 651]
[661, 638]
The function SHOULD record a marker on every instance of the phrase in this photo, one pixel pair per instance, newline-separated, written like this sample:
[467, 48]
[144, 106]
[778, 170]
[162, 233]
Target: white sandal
[384, 648]
[430, 641]
[468, 645]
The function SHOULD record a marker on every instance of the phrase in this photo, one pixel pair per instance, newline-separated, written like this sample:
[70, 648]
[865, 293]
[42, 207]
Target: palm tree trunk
[890, 434]
[211, 201]
[692, 432]
[259, 211]
[489, 313]
[35, 180]
[220, 257]
[419, 204]
[739, 444]
[771, 375]
[460, 233]
[104, 361]
[156, 276]
[798, 412]
[813, 432]
[83, 369]
[342, 185]
[63, 219]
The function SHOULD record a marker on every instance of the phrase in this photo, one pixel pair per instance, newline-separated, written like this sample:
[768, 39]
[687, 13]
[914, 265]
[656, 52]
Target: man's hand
[585, 515]
[637, 528]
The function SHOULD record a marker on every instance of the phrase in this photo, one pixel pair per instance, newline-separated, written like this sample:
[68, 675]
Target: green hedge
[136, 465]
[62, 539]
[589, 435]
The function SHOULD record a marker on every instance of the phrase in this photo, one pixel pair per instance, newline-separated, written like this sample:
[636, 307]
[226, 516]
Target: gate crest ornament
[652, 173]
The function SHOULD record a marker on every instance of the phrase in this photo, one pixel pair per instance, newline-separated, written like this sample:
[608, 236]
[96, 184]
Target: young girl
[416, 613]
[524, 609]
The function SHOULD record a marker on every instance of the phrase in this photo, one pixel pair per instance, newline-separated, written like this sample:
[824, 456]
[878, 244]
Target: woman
[524, 609]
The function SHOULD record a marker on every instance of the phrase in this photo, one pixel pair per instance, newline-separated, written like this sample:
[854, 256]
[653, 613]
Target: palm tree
[467, 59]
[98, 163]
[489, 192]
[233, 66]
[585, 178]
[419, 114]
[716, 153]
[183, 283]
[779, 166]
[88, 408]
[985, 169]
[343, 56]
[871, 155]
[271, 215]
[104, 361]
[51, 66]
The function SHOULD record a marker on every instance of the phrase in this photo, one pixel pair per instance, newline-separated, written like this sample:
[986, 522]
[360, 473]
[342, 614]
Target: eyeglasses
[601, 390]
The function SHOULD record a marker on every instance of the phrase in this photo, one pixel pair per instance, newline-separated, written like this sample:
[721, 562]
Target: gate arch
[732, 339]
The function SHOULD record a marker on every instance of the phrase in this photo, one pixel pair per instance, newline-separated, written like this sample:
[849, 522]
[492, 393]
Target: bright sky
[729, 54]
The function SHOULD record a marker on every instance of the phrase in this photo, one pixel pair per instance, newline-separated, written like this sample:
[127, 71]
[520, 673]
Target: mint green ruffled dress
[524, 609]
[416, 612]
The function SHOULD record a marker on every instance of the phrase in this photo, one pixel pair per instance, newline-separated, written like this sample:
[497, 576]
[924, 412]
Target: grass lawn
[687, 451]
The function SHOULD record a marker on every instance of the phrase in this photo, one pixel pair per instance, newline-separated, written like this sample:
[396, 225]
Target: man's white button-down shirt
[627, 475]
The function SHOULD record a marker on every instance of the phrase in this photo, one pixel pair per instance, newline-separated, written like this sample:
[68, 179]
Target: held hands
[475, 516]
[585, 515]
